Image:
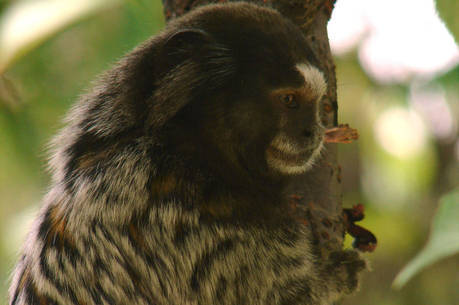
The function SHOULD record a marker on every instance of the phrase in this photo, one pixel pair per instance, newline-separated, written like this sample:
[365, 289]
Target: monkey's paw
[344, 268]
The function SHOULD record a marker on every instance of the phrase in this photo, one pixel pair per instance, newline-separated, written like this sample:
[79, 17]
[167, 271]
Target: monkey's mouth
[289, 162]
[291, 159]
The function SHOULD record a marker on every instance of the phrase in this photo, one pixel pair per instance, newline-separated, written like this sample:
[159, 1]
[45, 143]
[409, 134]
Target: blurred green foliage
[443, 240]
[448, 12]
[26, 24]
[400, 192]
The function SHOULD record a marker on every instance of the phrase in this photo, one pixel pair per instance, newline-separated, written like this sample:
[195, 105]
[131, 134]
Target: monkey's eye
[288, 100]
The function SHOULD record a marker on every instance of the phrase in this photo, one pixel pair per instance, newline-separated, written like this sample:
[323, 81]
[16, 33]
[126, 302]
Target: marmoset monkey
[167, 180]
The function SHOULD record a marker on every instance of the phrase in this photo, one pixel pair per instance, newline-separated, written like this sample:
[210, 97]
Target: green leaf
[443, 240]
[448, 11]
[27, 23]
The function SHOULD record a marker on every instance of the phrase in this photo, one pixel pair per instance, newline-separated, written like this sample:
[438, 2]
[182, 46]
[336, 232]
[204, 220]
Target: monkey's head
[241, 82]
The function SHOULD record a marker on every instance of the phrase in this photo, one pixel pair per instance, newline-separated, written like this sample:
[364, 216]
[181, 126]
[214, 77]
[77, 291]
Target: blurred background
[398, 84]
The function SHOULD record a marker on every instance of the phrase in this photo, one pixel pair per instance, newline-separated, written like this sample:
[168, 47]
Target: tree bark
[316, 195]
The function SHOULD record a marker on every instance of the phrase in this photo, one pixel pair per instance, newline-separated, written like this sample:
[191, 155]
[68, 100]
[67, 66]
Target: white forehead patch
[314, 78]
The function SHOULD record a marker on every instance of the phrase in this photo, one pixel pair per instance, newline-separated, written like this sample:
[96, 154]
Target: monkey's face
[298, 139]
[271, 125]
[282, 123]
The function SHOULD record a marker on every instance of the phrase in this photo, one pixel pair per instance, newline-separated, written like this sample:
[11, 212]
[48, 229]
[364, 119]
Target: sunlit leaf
[448, 11]
[443, 240]
[27, 23]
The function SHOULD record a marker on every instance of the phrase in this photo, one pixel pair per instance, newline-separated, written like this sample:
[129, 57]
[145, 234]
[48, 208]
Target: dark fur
[161, 190]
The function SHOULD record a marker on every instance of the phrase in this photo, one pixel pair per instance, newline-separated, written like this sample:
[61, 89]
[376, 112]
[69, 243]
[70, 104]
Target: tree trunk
[317, 194]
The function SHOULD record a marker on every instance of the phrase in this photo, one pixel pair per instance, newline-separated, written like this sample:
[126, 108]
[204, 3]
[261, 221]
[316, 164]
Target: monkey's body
[167, 182]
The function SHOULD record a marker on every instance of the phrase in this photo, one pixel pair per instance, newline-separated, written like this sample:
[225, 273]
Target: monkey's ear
[181, 57]
[184, 44]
